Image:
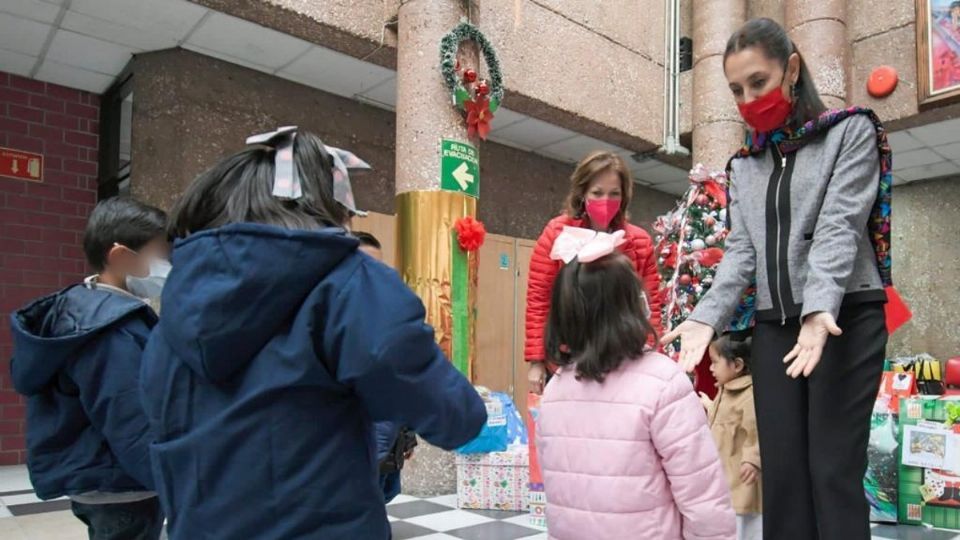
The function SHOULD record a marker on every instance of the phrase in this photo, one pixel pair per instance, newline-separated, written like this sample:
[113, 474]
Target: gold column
[424, 233]
[717, 127]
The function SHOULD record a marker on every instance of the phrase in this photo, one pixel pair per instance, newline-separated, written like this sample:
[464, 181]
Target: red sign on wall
[21, 165]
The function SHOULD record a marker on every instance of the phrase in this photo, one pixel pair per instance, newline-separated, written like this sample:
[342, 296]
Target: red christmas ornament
[709, 257]
[710, 221]
[718, 192]
[702, 200]
[470, 75]
[670, 259]
[483, 88]
[470, 233]
[685, 280]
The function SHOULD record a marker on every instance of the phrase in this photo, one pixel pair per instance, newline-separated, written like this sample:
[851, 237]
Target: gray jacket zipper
[783, 169]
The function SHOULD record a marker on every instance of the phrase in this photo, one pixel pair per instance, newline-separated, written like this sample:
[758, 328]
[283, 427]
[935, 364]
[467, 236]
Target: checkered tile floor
[439, 519]
[24, 517]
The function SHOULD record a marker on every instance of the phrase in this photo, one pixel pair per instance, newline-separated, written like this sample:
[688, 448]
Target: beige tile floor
[46, 526]
[60, 525]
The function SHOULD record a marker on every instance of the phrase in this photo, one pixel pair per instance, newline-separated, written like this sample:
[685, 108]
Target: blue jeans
[140, 520]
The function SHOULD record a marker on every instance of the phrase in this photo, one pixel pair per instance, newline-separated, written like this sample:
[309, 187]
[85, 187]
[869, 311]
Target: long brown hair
[587, 171]
[597, 317]
[772, 39]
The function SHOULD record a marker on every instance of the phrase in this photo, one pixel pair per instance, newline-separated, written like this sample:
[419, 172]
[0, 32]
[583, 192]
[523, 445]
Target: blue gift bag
[504, 426]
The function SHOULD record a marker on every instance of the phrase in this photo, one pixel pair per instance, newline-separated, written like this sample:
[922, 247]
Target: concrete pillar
[424, 108]
[819, 29]
[717, 127]
[772, 9]
[425, 213]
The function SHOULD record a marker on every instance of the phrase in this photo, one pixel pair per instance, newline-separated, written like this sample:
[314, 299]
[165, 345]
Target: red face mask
[602, 211]
[768, 112]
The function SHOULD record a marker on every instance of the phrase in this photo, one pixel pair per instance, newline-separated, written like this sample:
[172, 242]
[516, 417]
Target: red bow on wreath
[470, 233]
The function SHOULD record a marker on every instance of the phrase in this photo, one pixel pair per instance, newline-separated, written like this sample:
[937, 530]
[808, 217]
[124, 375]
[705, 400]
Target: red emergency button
[882, 81]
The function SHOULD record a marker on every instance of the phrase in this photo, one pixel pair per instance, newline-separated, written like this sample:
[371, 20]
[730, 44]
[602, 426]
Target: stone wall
[926, 266]
[182, 124]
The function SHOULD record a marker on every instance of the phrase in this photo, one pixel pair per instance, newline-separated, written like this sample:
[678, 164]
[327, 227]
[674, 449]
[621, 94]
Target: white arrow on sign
[463, 177]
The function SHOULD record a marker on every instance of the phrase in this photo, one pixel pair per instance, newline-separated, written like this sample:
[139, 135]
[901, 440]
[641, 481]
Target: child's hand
[705, 399]
[749, 474]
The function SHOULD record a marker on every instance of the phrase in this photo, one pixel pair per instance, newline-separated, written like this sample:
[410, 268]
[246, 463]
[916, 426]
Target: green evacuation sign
[459, 167]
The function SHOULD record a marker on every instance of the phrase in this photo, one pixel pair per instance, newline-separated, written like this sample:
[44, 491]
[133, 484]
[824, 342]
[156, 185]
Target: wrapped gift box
[881, 481]
[929, 485]
[494, 481]
[538, 498]
[538, 506]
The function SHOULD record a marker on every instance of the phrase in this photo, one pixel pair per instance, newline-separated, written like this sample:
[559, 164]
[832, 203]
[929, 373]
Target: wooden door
[384, 227]
[524, 253]
[496, 311]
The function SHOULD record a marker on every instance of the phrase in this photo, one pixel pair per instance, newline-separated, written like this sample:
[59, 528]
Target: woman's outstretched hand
[695, 337]
[813, 337]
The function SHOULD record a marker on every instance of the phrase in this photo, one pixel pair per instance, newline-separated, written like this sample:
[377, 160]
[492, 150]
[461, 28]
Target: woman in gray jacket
[806, 196]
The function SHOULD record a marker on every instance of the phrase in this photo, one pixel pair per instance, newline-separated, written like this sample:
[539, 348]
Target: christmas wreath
[479, 99]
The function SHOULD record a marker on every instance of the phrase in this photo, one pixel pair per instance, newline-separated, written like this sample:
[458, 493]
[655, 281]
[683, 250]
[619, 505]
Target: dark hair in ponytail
[772, 39]
[239, 189]
[734, 345]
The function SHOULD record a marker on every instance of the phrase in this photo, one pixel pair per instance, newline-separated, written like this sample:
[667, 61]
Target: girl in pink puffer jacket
[623, 440]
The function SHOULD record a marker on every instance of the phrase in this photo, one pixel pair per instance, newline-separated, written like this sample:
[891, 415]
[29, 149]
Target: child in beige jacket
[733, 423]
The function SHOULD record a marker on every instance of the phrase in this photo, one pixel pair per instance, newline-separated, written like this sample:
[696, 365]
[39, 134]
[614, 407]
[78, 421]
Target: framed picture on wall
[938, 50]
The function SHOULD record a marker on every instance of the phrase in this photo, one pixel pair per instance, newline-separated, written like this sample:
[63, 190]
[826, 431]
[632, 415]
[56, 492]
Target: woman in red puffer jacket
[600, 193]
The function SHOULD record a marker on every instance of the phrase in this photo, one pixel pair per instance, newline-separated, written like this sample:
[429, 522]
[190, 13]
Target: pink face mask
[602, 211]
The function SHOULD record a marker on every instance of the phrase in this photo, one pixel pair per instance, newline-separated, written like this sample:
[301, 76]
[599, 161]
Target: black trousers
[140, 520]
[814, 431]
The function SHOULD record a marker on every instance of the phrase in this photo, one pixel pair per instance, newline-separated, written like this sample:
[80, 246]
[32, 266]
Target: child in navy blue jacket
[394, 443]
[278, 347]
[77, 359]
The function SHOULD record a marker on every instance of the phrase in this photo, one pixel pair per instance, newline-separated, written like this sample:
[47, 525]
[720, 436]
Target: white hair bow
[585, 245]
[286, 182]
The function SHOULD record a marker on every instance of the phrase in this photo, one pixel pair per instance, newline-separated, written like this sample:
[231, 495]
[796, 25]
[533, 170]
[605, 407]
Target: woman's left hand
[813, 337]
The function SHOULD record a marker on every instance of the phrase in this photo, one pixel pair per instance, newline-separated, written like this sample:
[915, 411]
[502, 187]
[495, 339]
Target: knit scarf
[793, 140]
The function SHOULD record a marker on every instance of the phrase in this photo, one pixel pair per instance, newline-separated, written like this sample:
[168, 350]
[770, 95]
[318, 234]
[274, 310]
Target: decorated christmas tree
[690, 242]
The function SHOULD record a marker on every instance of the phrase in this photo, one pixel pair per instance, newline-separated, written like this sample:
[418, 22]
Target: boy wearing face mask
[77, 360]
